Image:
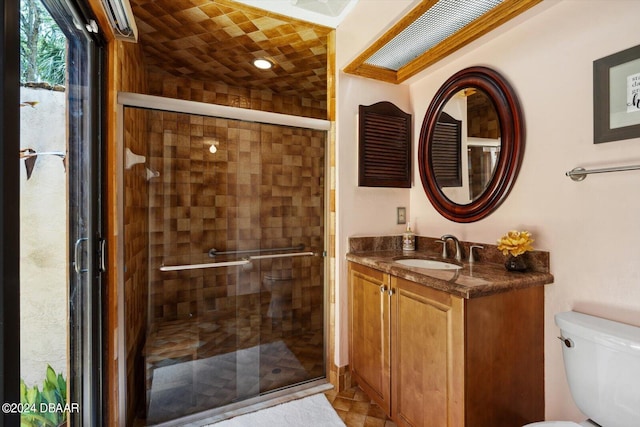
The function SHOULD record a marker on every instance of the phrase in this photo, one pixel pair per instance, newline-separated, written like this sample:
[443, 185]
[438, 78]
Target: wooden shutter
[445, 151]
[384, 146]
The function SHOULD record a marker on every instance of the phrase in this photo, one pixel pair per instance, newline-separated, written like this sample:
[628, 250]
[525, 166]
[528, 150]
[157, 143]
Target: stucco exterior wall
[43, 232]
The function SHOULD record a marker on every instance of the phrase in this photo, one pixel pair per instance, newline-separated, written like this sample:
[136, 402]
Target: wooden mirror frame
[511, 151]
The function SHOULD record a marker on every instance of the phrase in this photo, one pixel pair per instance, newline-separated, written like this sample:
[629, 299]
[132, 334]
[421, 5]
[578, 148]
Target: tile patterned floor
[187, 387]
[354, 407]
[357, 410]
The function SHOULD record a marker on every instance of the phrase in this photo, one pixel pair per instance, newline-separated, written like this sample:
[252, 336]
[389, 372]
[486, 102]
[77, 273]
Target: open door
[51, 223]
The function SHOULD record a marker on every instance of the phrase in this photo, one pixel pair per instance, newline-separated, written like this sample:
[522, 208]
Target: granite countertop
[486, 276]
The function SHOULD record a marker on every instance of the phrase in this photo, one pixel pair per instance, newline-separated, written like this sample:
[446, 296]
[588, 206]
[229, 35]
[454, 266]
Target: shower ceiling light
[263, 64]
[430, 32]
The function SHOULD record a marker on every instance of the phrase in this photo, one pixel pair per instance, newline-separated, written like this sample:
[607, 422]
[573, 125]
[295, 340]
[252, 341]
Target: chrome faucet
[457, 243]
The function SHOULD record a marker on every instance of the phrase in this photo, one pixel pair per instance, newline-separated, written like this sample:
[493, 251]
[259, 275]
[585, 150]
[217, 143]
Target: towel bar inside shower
[213, 252]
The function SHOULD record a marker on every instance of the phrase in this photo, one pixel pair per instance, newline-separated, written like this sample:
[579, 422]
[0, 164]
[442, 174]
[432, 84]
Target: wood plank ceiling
[217, 40]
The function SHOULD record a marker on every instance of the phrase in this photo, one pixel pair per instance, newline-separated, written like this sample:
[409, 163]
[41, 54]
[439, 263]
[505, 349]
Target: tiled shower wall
[263, 188]
[169, 86]
[137, 219]
[136, 241]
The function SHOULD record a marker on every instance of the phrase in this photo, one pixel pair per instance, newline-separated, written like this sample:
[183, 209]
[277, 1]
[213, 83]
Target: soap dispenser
[408, 240]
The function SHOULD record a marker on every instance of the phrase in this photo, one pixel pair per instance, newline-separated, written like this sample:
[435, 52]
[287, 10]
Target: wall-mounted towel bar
[213, 252]
[579, 174]
[244, 261]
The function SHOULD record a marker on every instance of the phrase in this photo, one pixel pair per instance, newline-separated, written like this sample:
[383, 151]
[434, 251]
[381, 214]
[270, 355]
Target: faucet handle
[471, 248]
[444, 248]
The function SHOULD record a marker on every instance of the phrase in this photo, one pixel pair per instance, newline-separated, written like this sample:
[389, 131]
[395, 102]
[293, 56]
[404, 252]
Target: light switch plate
[402, 215]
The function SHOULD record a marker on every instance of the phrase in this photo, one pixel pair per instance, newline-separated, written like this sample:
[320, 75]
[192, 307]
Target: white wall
[361, 210]
[591, 228]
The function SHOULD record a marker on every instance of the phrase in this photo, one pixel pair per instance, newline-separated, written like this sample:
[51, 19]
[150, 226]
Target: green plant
[42, 45]
[44, 408]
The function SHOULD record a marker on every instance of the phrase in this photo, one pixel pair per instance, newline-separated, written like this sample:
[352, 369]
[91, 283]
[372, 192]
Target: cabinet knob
[383, 288]
[391, 291]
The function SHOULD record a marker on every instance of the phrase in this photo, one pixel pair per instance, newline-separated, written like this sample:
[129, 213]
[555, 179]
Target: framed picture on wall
[616, 96]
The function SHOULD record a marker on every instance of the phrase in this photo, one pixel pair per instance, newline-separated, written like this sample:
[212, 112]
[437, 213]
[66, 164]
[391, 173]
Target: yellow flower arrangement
[515, 243]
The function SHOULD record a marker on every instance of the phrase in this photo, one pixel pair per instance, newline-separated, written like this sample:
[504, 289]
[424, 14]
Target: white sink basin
[428, 263]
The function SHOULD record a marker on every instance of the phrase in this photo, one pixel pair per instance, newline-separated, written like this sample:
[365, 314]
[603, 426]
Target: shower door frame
[159, 103]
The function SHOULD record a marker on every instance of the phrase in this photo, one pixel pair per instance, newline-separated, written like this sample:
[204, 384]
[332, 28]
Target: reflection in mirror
[488, 151]
[466, 145]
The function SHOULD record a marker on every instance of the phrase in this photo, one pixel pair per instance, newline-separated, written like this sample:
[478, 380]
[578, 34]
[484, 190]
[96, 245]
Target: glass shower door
[234, 242]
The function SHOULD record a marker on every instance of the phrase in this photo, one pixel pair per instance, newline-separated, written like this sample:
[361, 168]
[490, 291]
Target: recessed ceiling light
[263, 64]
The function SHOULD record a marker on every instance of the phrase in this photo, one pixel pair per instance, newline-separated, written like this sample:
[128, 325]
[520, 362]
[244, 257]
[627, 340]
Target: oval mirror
[471, 144]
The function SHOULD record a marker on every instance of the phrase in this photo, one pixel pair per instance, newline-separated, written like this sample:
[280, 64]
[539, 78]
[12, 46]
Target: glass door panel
[229, 218]
[44, 237]
[60, 287]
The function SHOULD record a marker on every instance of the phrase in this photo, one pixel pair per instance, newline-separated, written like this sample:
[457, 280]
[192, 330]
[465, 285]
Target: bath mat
[312, 411]
[194, 386]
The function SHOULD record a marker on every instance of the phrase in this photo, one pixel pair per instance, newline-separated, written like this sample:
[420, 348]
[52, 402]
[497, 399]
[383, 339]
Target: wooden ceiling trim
[503, 13]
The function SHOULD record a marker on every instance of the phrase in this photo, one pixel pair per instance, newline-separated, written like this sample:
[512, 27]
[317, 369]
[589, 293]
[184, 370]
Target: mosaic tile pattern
[357, 410]
[217, 291]
[482, 118]
[194, 365]
[218, 41]
[216, 92]
[136, 236]
[261, 189]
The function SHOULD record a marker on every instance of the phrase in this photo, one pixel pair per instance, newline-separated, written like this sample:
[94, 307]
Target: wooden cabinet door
[427, 335]
[369, 332]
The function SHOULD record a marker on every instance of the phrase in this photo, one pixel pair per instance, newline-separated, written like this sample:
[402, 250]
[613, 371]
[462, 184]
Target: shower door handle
[102, 255]
[199, 266]
[76, 256]
[231, 263]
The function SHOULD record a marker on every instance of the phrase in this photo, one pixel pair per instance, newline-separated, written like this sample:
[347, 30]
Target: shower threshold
[253, 404]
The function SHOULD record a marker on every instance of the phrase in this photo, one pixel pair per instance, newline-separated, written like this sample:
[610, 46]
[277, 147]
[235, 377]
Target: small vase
[515, 263]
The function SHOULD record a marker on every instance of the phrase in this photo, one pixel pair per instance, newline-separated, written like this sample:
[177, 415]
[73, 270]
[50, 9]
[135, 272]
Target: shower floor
[197, 364]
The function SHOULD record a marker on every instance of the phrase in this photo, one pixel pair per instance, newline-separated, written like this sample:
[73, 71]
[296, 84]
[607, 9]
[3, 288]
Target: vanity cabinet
[370, 335]
[431, 358]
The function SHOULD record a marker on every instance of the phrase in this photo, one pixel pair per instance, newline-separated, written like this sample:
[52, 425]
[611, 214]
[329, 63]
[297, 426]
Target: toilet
[563, 424]
[602, 364]
[278, 284]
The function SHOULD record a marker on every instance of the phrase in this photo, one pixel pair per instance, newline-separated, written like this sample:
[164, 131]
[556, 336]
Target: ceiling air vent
[384, 146]
[121, 19]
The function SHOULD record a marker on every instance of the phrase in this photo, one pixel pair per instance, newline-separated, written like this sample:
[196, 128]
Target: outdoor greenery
[37, 405]
[42, 45]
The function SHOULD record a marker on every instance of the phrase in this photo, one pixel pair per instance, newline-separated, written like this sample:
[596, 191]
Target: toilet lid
[554, 424]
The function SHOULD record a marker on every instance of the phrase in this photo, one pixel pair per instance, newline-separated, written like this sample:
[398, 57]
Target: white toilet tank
[602, 363]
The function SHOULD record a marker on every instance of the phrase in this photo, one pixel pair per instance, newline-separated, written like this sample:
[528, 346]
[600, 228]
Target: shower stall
[222, 299]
